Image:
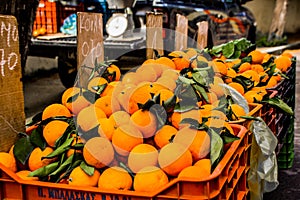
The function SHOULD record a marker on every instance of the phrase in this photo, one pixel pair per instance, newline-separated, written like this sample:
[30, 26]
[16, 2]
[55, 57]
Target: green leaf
[63, 166]
[183, 107]
[216, 147]
[70, 129]
[35, 119]
[160, 113]
[236, 54]
[90, 96]
[73, 98]
[170, 103]
[194, 124]
[279, 103]
[227, 136]
[61, 149]
[87, 168]
[228, 49]
[202, 92]
[37, 139]
[100, 88]
[22, 149]
[44, 171]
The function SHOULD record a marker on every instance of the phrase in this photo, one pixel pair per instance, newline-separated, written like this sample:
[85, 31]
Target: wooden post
[12, 115]
[154, 37]
[202, 34]
[90, 47]
[278, 20]
[181, 34]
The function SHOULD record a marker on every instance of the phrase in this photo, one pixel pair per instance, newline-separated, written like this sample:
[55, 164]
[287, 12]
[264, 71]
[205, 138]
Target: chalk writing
[9, 44]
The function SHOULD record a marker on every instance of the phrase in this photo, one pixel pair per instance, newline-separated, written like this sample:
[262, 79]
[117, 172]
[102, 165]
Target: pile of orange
[137, 131]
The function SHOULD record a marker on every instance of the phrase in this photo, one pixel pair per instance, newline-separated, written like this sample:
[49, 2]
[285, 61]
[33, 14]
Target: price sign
[12, 116]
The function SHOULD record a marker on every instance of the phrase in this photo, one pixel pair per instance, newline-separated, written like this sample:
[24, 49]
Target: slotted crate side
[46, 17]
[228, 181]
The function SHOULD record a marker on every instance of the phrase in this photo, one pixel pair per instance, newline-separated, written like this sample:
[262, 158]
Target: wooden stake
[181, 32]
[154, 34]
[202, 34]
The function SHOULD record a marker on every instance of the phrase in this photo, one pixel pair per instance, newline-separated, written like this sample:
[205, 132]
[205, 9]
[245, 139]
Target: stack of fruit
[168, 118]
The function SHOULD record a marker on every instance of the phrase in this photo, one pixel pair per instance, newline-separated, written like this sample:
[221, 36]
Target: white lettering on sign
[91, 24]
[8, 35]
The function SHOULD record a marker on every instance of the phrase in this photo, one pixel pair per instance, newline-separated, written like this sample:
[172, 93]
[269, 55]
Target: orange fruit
[180, 59]
[125, 138]
[173, 158]
[165, 94]
[219, 67]
[165, 62]
[257, 67]
[257, 56]
[237, 111]
[273, 81]
[146, 73]
[55, 110]
[130, 78]
[76, 140]
[164, 135]
[8, 161]
[252, 75]
[170, 74]
[98, 152]
[238, 87]
[177, 117]
[80, 178]
[35, 160]
[197, 141]
[88, 117]
[145, 121]
[283, 63]
[149, 179]
[115, 178]
[106, 128]
[23, 174]
[251, 96]
[167, 82]
[53, 131]
[107, 104]
[114, 69]
[96, 82]
[142, 155]
[78, 103]
[119, 118]
[244, 67]
[195, 172]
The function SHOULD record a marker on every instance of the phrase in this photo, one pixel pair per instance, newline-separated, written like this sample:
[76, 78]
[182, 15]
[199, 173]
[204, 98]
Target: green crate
[285, 161]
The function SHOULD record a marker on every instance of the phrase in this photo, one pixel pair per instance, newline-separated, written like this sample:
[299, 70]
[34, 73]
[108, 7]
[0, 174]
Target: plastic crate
[227, 181]
[46, 17]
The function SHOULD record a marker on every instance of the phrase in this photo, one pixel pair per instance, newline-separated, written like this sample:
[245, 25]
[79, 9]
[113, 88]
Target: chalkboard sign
[12, 116]
[89, 43]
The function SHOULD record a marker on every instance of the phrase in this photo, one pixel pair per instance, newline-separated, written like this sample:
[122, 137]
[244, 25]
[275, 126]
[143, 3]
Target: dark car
[227, 19]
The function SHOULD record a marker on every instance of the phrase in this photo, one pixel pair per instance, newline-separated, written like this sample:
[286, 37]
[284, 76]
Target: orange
[106, 104]
[252, 96]
[130, 77]
[283, 63]
[119, 118]
[164, 135]
[146, 73]
[35, 160]
[267, 56]
[238, 87]
[79, 101]
[177, 117]
[257, 67]
[8, 161]
[237, 111]
[167, 82]
[141, 156]
[88, 117]
[145, 121]
[197, 141]
[272, 82]
[55, 110]
[125, 138]
[165, 94]
[98, 152]
[150, 179]
[23, 174]
[194, 172]
[76, 140]
[115, 71]
[252, 75]
[165, 62]
[219, 67]
[80, 178]
[109, 89]
[170, 74]
[53, 131]
[96, 82]
[173, 158]
[231, 73]
[257, 56]
[106, 127]
[180, 59]
[244, 67]
[115, 178]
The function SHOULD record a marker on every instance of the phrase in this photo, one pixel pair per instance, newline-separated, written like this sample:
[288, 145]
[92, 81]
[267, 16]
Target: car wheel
[67, 70]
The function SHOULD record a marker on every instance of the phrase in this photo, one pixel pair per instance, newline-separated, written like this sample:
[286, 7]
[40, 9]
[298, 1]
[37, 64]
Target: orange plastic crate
[46, 17]
[228, 181]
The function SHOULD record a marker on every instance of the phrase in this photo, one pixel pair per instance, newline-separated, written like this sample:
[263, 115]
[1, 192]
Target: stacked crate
[46, 17]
